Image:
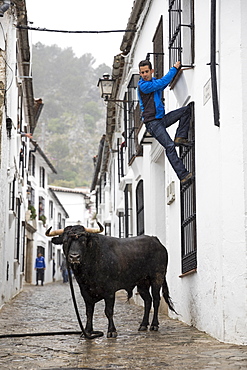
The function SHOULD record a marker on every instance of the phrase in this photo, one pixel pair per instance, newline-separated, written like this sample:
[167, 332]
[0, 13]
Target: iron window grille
[181, 32]
[133, 122]
[59, 220]
[140, 208]
[41, 207]
[121, 224]
[23, 246]
[18, 229]
[121, 151]
[128, 210]
[42, 177]
[51, 209]
[188, 206]
[158, 50]
[12, 195]
[31, 166]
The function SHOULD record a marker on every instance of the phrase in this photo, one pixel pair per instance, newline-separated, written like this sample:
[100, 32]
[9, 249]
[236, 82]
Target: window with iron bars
[18, 230]
[158, 51]
[181, 32]
[128, 210]
[121, 150]
[12, 195]
[140, 208]
[133, 122]
[31, 166]
[121, 224]
[42, 177]
[188, 206]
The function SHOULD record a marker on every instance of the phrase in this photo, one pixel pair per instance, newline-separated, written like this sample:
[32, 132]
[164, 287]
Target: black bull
[103, 265]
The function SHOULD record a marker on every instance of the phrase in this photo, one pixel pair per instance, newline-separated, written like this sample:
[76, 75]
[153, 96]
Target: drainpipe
[4, 7]
[213, 64]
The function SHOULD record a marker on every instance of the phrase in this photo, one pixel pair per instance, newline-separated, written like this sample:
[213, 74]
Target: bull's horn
[54, 232]
[95, 231]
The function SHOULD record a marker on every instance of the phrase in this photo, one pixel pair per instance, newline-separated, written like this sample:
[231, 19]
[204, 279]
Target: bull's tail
[166, 295]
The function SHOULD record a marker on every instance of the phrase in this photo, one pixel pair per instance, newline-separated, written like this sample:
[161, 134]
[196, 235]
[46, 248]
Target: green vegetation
[73, 117]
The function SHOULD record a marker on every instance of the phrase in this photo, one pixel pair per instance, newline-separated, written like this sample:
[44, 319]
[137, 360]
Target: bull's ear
[57, 240]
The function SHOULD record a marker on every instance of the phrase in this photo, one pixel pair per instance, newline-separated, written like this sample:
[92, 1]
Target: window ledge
[176, 78]
[188, 273]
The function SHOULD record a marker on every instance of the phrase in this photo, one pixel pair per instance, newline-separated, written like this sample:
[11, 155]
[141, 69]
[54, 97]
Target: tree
[73, 117]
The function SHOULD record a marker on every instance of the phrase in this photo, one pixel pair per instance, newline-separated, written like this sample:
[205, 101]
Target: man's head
[146, 70]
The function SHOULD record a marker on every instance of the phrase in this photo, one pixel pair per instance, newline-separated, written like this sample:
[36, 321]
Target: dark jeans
[40, 275]
[157, 129]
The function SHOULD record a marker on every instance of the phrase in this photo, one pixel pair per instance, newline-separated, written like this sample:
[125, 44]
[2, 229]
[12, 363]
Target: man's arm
[157, 84]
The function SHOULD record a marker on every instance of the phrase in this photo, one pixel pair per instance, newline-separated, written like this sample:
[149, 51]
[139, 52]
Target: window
[12, 195]
[50, 250]
[51, 209]
[121, 224]
[41, 207]
[20, 107]
[188, 208]
[158, 51]
[22, 260]
[121, 151]
[23, 158]
[140, 208]
[31, 196]
[108, 228]
[181, 32]
[18, 229]
[31, 166]
[128, 210]
[42, 177]
[59, 220]
[132, 120]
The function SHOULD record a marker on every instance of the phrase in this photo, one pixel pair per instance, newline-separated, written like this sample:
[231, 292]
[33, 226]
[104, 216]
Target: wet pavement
[50, 309]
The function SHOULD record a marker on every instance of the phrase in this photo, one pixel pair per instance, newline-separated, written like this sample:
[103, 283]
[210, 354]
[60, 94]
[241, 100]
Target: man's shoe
[182, 141]
[186, 179]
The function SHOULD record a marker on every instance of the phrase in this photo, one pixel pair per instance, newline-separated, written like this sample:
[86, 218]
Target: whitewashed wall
[214, 298]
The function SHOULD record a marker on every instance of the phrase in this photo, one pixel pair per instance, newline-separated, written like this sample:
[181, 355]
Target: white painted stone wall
[215, 298]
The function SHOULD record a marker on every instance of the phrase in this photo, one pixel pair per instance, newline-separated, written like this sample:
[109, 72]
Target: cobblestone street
[50, 308]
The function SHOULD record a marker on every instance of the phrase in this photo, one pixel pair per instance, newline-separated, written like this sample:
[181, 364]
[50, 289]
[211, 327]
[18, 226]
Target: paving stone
[50, 309]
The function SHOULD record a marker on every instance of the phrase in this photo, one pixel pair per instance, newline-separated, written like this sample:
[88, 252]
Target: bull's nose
[74, 258]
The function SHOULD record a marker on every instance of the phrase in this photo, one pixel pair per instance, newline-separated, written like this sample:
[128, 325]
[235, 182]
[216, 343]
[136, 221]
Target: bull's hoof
[154, 328]
[112, 334]
[142, 328]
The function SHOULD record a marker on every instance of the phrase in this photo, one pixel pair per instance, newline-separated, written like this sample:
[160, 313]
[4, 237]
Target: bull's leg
[109, 308]
[89, 314]
[143, 290]
[156, 302]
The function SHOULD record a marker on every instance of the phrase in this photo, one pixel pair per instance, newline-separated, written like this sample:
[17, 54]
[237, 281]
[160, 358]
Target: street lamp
[105, 84]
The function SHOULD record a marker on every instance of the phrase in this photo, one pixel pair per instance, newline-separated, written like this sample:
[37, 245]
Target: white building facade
[202, 224]
[18, 115]
[25, 198]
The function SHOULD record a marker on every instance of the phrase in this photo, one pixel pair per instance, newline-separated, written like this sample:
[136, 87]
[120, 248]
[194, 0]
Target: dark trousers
[157, 129]
[40, 275]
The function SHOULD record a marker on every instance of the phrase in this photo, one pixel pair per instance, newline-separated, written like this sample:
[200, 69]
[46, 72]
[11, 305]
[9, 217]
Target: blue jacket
[40, 263]
[150, 96]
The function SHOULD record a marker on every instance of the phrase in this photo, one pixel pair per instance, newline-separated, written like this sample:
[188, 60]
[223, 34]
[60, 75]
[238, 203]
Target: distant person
[153, 115]
[40, 268]
[64, 271]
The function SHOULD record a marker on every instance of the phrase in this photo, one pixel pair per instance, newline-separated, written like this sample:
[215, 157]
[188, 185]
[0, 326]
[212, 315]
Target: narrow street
[50, 308]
